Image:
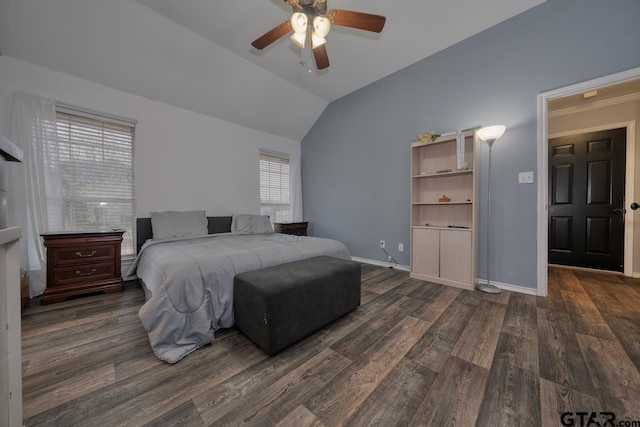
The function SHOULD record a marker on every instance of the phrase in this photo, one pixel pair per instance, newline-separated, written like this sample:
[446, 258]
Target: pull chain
[303, 54]
[309, 45]
[302, 57]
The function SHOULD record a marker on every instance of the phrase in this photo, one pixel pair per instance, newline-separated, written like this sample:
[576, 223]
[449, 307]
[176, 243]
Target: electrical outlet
[400, 247]
[382, 244]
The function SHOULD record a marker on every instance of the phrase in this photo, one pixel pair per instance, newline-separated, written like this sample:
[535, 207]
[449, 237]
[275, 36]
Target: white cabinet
[445, 255]
[444, 211]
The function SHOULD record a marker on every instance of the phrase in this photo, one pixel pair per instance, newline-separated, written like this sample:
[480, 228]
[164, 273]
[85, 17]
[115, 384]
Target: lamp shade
[321, 26]
[299, 39]
[316, 40]
[491, 133]
[299, 22]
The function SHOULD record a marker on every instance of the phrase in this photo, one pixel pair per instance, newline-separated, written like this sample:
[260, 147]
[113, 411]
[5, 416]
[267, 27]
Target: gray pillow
[252, 224]
[175, 225]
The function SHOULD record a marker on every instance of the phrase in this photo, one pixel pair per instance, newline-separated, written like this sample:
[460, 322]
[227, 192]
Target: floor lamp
[489, 135]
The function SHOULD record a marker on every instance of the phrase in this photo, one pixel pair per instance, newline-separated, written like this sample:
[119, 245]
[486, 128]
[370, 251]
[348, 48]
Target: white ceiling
[196, 54]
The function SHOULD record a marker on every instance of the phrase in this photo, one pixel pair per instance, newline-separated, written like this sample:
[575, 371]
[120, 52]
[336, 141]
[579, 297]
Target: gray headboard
[217, 224]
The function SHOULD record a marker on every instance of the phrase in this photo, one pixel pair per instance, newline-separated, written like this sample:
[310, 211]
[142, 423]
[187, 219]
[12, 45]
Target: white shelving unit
[444, 233]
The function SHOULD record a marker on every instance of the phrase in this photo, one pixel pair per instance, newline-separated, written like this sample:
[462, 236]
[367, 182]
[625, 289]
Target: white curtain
[33, 129]
[296, 187]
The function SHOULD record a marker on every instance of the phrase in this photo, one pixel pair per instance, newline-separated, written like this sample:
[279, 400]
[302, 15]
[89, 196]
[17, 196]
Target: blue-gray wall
[355, 160]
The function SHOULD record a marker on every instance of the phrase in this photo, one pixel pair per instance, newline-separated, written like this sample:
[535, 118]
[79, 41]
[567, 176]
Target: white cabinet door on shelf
[424, 256]
[455, 255]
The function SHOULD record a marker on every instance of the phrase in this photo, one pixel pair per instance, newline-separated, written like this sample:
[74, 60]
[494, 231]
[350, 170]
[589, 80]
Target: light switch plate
[525, 177]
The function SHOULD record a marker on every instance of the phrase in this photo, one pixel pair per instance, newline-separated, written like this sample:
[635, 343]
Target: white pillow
[175, 225]
[251, 224]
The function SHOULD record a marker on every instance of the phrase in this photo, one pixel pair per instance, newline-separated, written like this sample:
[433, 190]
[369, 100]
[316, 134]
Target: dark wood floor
[414, 353]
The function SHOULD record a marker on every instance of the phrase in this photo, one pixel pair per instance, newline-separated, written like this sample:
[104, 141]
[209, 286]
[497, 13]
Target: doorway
[559, 98]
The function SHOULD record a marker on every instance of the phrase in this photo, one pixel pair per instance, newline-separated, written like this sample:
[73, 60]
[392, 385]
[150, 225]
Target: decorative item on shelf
[449, 133]
[444, 171]
[462, 163]
[427, 136]
[460, 149]
[444, 199]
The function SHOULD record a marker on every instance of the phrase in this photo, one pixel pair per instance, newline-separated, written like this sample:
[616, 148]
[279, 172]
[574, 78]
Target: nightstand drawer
[83, 255]
[83, 274]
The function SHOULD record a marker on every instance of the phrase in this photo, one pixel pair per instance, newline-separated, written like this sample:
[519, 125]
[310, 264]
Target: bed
[188, 278]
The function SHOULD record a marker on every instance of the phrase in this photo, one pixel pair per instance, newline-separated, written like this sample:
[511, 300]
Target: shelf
[453, 173]
[444, 234]
[441, 203]
[440, 227]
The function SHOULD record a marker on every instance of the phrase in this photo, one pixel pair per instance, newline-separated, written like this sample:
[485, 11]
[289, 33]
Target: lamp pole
[489, 135]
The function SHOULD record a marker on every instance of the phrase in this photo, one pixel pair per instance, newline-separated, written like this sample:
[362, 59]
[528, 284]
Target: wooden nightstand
[295, 228]
[82, 262]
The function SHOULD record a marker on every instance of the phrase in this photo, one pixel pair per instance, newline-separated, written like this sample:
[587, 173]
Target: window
[275, 186]
[95, 169]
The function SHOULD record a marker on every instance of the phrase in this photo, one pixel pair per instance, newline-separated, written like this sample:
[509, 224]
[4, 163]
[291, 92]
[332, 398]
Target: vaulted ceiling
[196, 54]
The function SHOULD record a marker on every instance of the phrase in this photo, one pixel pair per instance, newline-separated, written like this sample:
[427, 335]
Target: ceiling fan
[312, 21]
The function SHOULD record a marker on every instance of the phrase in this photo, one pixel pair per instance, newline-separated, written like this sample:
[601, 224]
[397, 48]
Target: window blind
[275, 186]
[95, 162]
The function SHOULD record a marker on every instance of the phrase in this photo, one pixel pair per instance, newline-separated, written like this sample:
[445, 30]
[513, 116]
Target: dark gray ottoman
[279, 305]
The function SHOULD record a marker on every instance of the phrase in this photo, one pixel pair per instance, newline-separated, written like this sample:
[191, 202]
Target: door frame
[543, 168]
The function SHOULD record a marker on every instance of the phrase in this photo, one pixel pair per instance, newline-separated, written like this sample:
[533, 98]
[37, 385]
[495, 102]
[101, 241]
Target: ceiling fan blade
[321, 57]
[272, 35]
[362, 21]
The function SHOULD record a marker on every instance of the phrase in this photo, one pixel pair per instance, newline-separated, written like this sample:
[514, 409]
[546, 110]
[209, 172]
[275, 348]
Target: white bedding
[190, 282]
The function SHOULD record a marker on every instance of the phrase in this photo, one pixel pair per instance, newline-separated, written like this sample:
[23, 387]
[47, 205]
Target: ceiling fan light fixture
[299, 39]
[299, 22]
[321, 26]
[310, 19]
[317, 40]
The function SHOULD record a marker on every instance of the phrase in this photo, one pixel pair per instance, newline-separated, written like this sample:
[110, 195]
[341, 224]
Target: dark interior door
[586, 200]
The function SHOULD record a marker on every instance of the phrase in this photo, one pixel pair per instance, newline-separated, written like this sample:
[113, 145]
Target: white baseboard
[512, 288]
[505, 286]
[381, 263]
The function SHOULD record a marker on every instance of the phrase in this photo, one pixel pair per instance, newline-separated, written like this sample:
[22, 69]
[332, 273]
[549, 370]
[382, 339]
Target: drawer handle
[79, 273]
[81, 255]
